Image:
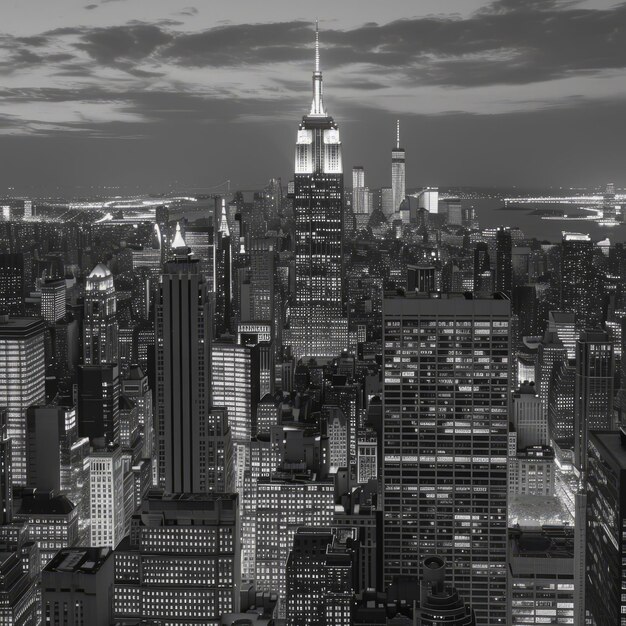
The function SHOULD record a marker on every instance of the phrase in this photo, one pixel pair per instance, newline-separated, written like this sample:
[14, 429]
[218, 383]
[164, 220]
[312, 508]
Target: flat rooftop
[85, 560]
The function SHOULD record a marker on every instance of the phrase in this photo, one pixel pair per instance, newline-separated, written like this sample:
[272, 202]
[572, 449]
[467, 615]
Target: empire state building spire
[317, 106]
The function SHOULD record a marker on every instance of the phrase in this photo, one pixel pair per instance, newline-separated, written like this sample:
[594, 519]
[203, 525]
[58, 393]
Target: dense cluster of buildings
[310, 405]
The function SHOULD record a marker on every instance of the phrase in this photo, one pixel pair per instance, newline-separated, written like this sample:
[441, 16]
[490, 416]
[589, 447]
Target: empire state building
[318, 326]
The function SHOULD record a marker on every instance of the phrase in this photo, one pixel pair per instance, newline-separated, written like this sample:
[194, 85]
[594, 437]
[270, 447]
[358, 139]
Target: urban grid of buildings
[309, 404]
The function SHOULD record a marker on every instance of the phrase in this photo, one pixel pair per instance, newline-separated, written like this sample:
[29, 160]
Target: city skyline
[114, 83]
[311, 403]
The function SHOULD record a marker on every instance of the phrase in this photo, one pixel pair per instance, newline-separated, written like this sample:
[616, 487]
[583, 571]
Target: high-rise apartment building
[180, 563]
[398, 172]
[318, 326]
[100, 327]
[22, 384]
[446, 406]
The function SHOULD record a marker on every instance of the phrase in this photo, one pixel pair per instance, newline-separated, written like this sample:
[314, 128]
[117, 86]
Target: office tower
[258, 291]
[76, 587]
[12, 284]
[19, 592]
[563, 325]
[525, 305]
[137, 388]
[183, 366]
[6, 487]
[231, 384]
[337, 432]
[453, 211]
[66, 345]
[22, 383]
[176, 572]
[266, 454]
[320, 577]
[287, 501]
[561, 408]
[428, 200]
[358, 189]
[149, 256]
[52, 521]
[57, 457]
[53, 297]
[386, 202]
[106, 496]
[98, 402]
[529, 418]
[483, 276]
[318, 326]
[577, 279]
[593, 395]
[445, 442]
[100, 318]
[268, 414]
[398, 176]
[28, 209]
[541, 564]
[605, 601]
[504, 260]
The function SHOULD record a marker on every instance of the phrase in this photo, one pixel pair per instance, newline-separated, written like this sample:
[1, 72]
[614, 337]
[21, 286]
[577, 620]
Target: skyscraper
[593, 396]
[318, 326]
[577, 278]
[445, 427]
[12, 284]
[183, 365]
[398, 175]
[605, 601]
[53, 296]
[22, 383]
[504, 261]
[100, 322]
[98, 402]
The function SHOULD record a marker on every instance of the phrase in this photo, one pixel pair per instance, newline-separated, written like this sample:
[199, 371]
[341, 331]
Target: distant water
[489, 216]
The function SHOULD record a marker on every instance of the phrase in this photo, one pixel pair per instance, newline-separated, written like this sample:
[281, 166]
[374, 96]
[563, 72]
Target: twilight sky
[156, 95]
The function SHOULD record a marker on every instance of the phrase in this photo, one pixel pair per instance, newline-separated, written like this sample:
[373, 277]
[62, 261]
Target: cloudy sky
[158, 95]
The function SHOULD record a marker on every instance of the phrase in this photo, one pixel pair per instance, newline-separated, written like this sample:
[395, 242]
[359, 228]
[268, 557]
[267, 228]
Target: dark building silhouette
[12, 284]
[98, 402]
[606, 519]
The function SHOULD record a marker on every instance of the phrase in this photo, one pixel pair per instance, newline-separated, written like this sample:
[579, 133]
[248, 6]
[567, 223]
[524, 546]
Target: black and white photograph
[312, 313]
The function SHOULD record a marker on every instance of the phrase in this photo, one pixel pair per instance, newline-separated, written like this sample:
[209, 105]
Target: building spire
[179, 242]
[317, 106]
[397, 133]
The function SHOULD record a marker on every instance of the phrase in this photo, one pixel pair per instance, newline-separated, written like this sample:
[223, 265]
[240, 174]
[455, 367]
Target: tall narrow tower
[318, 325]
[100, 327]
[398, 178]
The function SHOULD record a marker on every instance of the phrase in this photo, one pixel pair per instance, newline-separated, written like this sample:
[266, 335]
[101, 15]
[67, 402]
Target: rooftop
[85, 560]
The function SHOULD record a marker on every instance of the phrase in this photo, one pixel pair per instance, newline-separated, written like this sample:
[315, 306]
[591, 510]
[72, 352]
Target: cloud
[136, 41]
